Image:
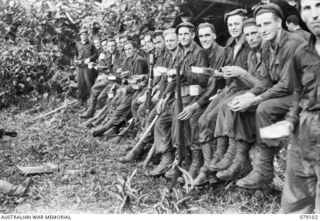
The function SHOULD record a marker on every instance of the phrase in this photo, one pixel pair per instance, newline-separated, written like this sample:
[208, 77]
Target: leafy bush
[38, 40]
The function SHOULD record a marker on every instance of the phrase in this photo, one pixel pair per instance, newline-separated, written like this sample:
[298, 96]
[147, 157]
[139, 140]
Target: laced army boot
[222, 145]
[196, 164]
[134, 154]
[202, 177]
[100, 130]
[262, 173]
[163, 166]
[241, 163]
[227, 159]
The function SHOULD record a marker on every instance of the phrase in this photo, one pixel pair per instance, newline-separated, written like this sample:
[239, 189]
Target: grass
[103, 184]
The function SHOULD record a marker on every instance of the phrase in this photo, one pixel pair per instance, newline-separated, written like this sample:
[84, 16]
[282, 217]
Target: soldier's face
[159, 43]
[310, 14]
[122, 41]
[143, 44]
[104, 45]
[171, 41]
[149, 43]
[252, 35]
[235, 24]
[268, 26]
[129, 50]
[185, 36]
[84, 37]
[97, 44]
[206, 37]
[111, 47]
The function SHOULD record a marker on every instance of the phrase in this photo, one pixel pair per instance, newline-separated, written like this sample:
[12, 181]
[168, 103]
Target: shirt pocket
[309, 90]
[276, 70]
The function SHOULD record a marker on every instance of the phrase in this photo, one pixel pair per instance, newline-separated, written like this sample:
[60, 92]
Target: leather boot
[241, 163]
[196, 164]
[112, 132]
[134, 154]
[91, 109]
[202, 177]
[100, 130]
[262, 173]
[222, 145]
[227, 159]
[164, 165]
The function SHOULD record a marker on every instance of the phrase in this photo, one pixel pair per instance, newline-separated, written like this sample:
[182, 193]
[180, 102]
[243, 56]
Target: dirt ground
[103, 185]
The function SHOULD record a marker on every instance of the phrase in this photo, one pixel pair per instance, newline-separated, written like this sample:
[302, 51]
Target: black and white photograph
[136, 107]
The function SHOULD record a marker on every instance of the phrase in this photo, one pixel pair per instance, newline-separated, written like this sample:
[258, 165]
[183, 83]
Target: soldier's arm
[293, 114]
[216, 84]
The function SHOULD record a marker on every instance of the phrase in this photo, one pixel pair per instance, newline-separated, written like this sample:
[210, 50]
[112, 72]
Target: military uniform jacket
[239, 59]
[216, 59]
[305, 112]
[192, 56]
[85, 51]
[279, 64]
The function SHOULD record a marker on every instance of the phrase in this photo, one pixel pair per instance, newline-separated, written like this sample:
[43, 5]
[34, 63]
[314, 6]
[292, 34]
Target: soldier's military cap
[249, 22]
[270, 7]
[157, 33]
[185, 24]
[239, 11]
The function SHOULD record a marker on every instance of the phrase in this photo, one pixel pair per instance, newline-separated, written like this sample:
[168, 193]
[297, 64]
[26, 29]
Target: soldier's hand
[233, 71]
[124, 74]
[188, 111]
[156, 97]
[87, 61]
[241, 103]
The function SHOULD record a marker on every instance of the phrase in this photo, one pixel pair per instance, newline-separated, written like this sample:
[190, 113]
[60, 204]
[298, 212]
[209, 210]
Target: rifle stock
[145, 134]
[179, 132]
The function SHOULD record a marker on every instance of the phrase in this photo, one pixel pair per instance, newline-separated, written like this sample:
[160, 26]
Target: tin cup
[110, 95]
[194, 90]
[91, 65]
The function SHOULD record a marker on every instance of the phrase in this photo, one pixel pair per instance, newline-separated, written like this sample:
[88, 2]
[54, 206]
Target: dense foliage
[38, 39]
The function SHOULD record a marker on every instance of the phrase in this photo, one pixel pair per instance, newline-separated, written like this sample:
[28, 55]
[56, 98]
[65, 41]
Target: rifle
[145, 134]
[3, 133]
[150, 84]
[179, 155]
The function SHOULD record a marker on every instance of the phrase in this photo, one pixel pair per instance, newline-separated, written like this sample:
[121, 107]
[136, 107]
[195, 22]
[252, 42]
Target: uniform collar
[191, 48]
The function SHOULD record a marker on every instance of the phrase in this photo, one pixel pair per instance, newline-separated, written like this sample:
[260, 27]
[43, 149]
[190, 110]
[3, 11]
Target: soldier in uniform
[273, 103]
[301, 192]
[235, 54]
[109, 61]
[139, 107]
[86, 53]
[134, 65]
[191, 55]
[207, 35]
[236, 160]
[162, 128]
